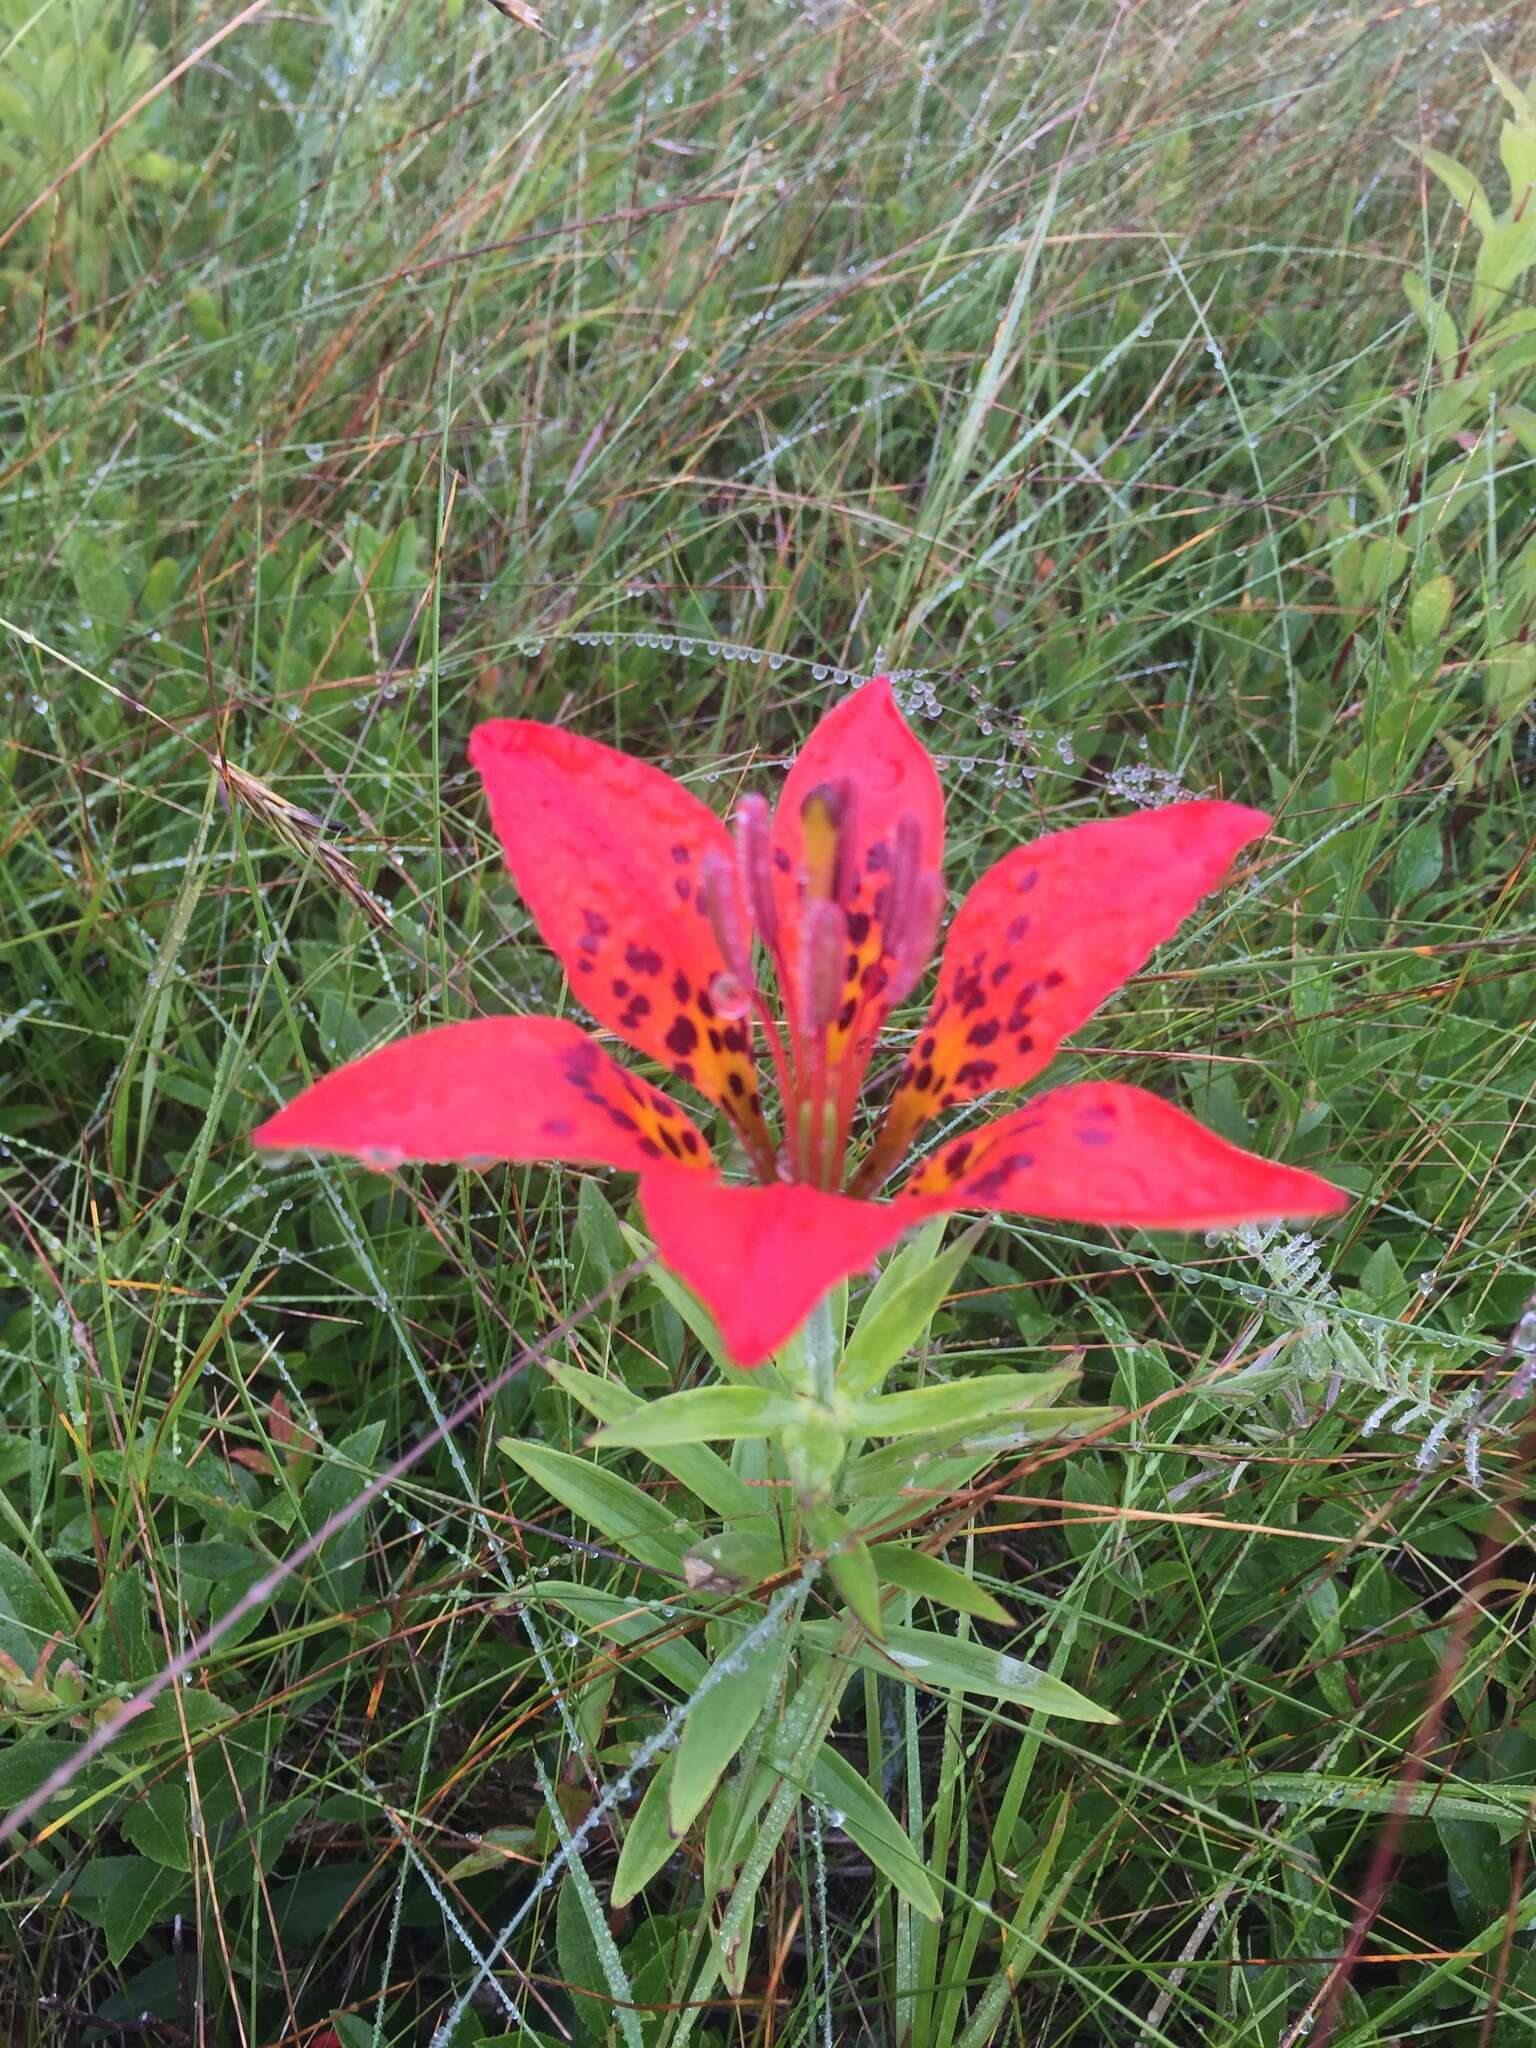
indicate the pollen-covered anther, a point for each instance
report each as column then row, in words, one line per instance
column 824, row 939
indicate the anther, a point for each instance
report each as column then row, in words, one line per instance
column 717, row 879
column 754, row 866
column 912, row 919
column 824, row 942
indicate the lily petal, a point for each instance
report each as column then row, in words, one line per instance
column 1102, row 1152
column 888, row 858
column 496, row 1088
column 608, row 853
column 1043, row 938
column 761, row 1258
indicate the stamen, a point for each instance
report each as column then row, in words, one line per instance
column 912, row 918
column 754, row 865
column 716, row 878
column 824, row 940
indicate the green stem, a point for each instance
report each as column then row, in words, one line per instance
column 821, row 1350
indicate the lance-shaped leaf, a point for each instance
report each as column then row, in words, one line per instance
column 933, row 1578
column 924, row 1658
column 634, row 1520
column 897, row 1321
column 648, row 1840
column 745, row 1684
column 951, row 1405
column 847, row 1797
column 626, row 1623
column 700, row 1415
column 702, row 1471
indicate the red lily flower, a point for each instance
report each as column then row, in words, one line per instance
column 669, row 927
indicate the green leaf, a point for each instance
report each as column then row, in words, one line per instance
column 896, row 1318
column 140, row 1895
column 700, row 1413
column 737, row 1557
column 1416, row 864
column 163, row 1477
column 157, row 1826
column 924, row 1658
column 26, row 1766
column 580, row 1964
column 28, row 1617
column 1466, row 190
column 993, row 1397
column 161, row 1722
column 849, row 1565
column 1444, row 340
column 704, row 1472
column 939, row 1464
column 720, row 1721
column 121, row 1645
column 648, row 1840
column 1382, row 1282
column 864, row 1815
column 622, row 1621
column 597, row 1230
column 615, row 1508
column 932, row 1578
column 1429, row 609
column 336, row 1483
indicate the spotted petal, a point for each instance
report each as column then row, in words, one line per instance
column 1043, row 938
column 1105, row 1153
column 761, row 1258
column 889, row 856
column 608, row 853
column 497, row 1088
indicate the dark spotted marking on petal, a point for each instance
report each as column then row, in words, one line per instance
column 983, row 1034
column 642, row 960
column 682, row 1036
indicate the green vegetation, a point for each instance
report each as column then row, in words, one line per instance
column 1151, row 389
